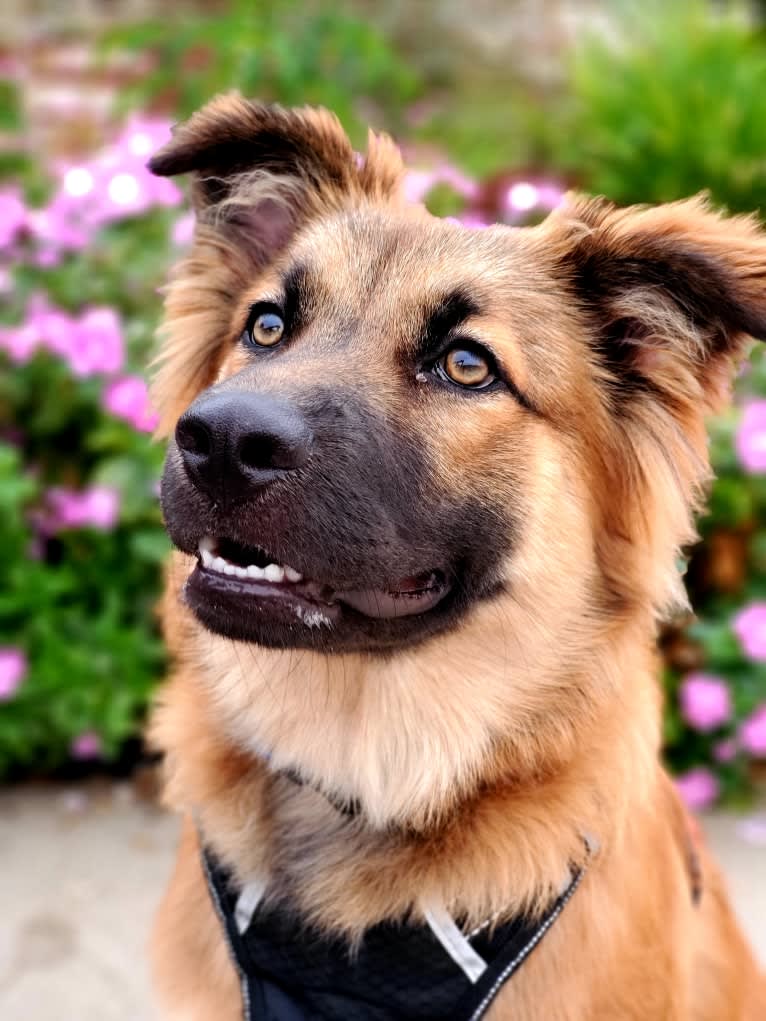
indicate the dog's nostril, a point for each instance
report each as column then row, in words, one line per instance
column 194, row 438
column 260, row 450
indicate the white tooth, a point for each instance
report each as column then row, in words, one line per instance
column 207, row 557
column 218, row 564
column 241, row 572
column 229, row 569
column 254, row 571
column 292, row 575
column 274, row 573
column 207, row 544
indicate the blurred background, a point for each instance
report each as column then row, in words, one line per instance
column 499, row 106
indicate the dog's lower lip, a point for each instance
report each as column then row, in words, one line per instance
column 403, row 602
column 411, row 596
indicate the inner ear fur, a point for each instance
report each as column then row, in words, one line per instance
column 672, row 293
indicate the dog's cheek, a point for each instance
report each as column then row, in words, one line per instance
column 536, row 483
column 234, row 360
column 481, row 452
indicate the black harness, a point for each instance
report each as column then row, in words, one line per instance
column 400, row 972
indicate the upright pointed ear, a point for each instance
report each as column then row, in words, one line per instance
column 260, row 173
column 672, row 294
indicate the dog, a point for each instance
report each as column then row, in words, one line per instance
column 427, row 487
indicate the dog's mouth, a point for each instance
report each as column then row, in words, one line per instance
column 249, row 575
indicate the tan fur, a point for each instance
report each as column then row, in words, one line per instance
column 482, row 758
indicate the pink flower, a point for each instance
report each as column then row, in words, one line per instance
column 63, row 510
column 750, row 440
column 418, row 183
column 95, row 343
column 123, row 185
column 86, row 746
column 95, row 507
column 705, row 701
column 13, row 668
column 59, row 226
column 13, row 216
column 141, row 136
column 725, row 751
column 459, row 182
column 524, row 196
column 19, row 342
column 111, row 186
column 699, row 787
column 182, row 233
column 100, row 507
column 90, row 344
column 550, row 195
column 128, row 398
column 752, row 733
column 52, row 327
column 750, row 628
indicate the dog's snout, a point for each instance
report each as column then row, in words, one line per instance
column 233, row 443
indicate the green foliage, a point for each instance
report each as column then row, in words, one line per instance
column 82, row 608
column 80, row 602
column 673, row 105
column 284, row 51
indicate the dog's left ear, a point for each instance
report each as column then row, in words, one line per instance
column 260, row 172
column 671, row 294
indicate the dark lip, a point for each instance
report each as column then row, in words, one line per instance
column 293, row 597
column 304, row 613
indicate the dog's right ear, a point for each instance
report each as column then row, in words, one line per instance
column 260, row 172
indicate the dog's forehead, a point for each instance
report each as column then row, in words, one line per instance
column 367, row 256
column 382, row 277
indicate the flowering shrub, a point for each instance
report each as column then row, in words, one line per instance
column 85, row 242
column 80, row 526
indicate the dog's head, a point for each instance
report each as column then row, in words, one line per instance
column 385, row 423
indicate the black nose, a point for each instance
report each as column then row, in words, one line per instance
column 234, row 443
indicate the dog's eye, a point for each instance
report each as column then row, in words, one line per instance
column 265, row 327
column 467, row 367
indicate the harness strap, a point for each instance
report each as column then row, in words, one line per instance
column 513, row 958
column 401, row 971
column 443, row 926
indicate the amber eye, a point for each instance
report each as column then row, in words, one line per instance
column 466, row 367
column 265, row 328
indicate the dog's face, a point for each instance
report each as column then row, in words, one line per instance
column 376, row 427
column 385, row 423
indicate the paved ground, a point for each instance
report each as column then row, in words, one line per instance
column 82, row 872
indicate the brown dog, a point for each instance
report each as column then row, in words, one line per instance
column 428, row 486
